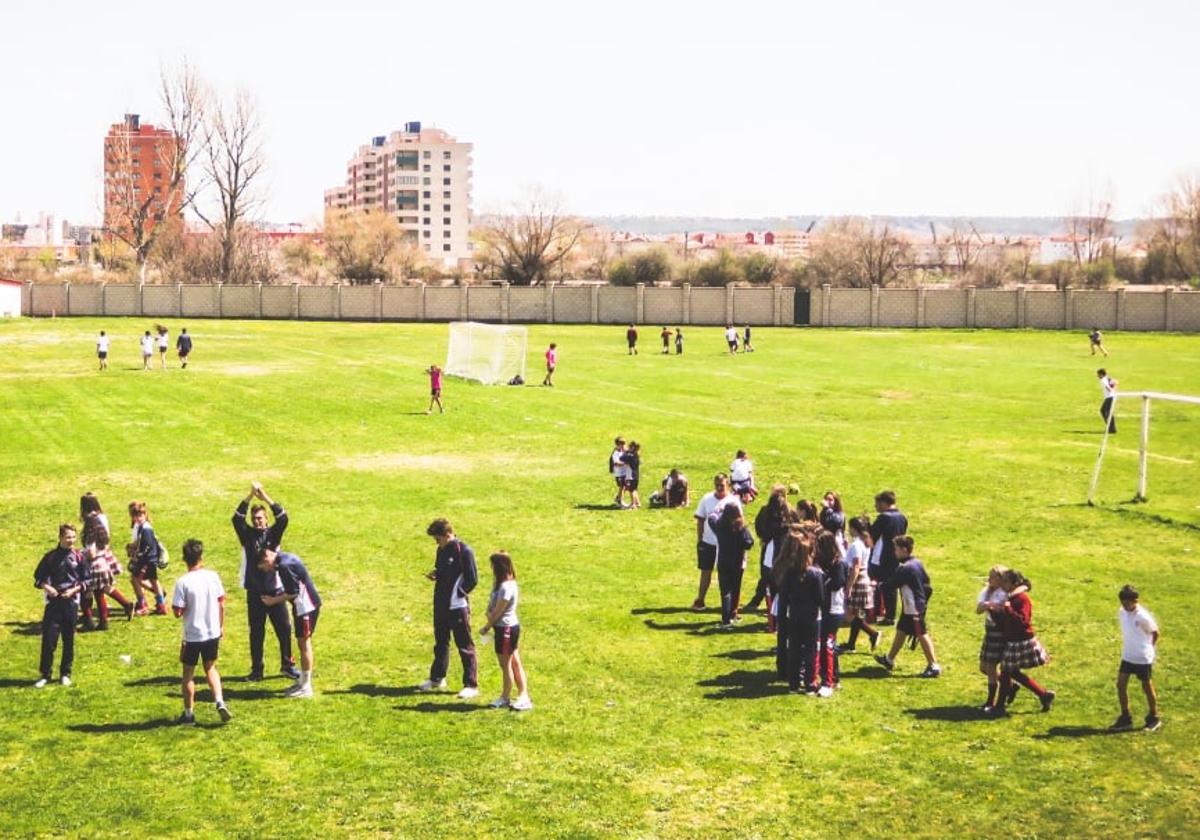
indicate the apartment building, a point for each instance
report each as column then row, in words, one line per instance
column 137, row 174
column 422, row 177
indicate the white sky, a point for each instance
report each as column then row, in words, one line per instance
column 647, row 108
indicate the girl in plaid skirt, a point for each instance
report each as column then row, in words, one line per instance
column 1022, row 650
column 991, row 652
column 862, row 588
column 105, row 568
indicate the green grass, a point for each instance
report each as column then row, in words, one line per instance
column 647, row 723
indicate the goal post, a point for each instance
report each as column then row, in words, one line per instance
column 1144, row 441
column 487, row 353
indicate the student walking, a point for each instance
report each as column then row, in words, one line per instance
column 502, row 615
column 1097, row 342
column 912, row 582
column 435, row 389
column 61, row 574
column 145, row 555
column 678, row 341
column 199, row 599
column 102, row 343
column 1139, row 649
column 164, row 343
column 98, row 552
column 147, row 350
column 1108, row 386
column 301, row 592
column 731, row 338
column 1022, row 650
column 747, row 347
column 454, row 575
column 666, row 340
column 733, row 541
column 860, row 584
column 991, row 651
column 889, row 524
column 253, row 537
column 183, row 347
column 631, row 336
column 551, row 364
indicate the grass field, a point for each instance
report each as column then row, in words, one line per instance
column 648, row 723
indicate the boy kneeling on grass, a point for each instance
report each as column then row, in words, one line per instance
column 199, row 599
column 912, row 581
column 1139, row 646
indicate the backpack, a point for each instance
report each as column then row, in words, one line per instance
column 163, row 557
column 516, row 380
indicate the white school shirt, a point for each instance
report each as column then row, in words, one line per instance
column 1137, row 635
column 147, row 346
column 709, row 504
column 198, row 593
column 164, row 341
column 1108, row 386
column 731, row 334
column 102, row 344
column 507, row 591
column 741, row 469
column 857, row 556
column 620, row 468
column 999, row 596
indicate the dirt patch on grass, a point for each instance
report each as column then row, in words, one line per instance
column 895, row 396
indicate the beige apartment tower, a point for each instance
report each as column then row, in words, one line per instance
column 422, row 177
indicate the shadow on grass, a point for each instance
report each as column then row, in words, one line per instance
column 744, row 685
column 242, row 693
column 1077, row 732
column 950, row 714
column 670, row 610
column 444, row 707
column 870, row 671
column 1083, row 431
column 17, row 682
column 368, row 690
column 132, row 726
column 609, row 506
column 25, row 628
column 172, row 680
column 1140, row 516
column 745, row 655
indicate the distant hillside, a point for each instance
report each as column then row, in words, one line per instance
column 999, row 225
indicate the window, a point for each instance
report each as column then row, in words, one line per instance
column 446, row 220
column 407, row 179
column 426, row 168
column 446, row 209
column 408, row 220
column 426, row 246
column 445, row 182
column 406, row 200
column 426, row 154
column 446, row 194
column 445, row 155
column 426, row 234
column 445, row 234
column 426, row 220
column 446, row 167
column 425, row 208
column 406, row 161
column 446, row 247
column 425, row 181
column 425, row 194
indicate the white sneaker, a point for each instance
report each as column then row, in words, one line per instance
column 302, row 691
column 499, row 703
column 824, row 691
column 522, row 704
column 468, row 693
column 41, row 683
column 66, row 680
column 293, row 688
column 430, row 685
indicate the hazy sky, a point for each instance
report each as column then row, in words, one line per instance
column 650, row 108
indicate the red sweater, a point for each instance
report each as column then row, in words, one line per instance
column 1016, row 619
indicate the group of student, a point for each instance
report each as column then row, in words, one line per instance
column 148, row 343
column 666, row 334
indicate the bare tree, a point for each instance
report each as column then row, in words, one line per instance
column 966, row 244
column 858, row 253
column 134, row 214
column 361, row 245
column 233, row 164
column 1090, row 231
column 881, row 254
column 1177, row 230
column 528, row 245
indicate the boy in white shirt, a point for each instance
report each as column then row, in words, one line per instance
column 619, row 470
column 147, row 350
column 199, row 599
column 706, row 540
column 102, row 350
column 1139, row 646
column 1107, row 410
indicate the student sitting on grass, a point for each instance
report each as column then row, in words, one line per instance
column 502, row 615
column 912, row 582
column 674, row 492
column 741, row 473
column 1139, row 648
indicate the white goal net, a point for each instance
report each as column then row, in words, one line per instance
column 488, row 353
column 1173, row 456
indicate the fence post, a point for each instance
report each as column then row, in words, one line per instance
column 178, row 300
column 777, row 305
column 826, row 303
column 687, row 303
column 337, row 303
column 874, row 316
column 640, row 307
column 141, row 287
column 1068, row 309
column 220, row 294
column 66, row 298
column 104, row 299
column 258, row 301
column 505, row 302
column 729, row 304
column 971, row 321
column 1120, row 309
column 1169, row 310
column 920, row 307
column 594, row 303
column 548, row 301
column 1020, row 307
column 295, row 301
column 421, row 303
column 378, row 300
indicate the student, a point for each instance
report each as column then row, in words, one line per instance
column 731, row 338
column 253, row 537
column 104, row 569
column 199, row 599
column 860, row 584
column 912, row 582
column 102, row 349
column 801, row 589
column 770, row 523
column 889, row 524
column 164, row 343
column 741, row 473
column 454, row 575
column 632, row 459
column 666, row 340
column 733, row 541
column 828, row 558
column 1022, row 650
column 706, row 540
column 147, row 350
column 619, row 470
column 551, row 363
column 143, row 553
column 435, row 389
column 502, row 614
column 678, row 341
column 1107, row 410
column 1097, row 342
column 991, row 652
column 631, row 340
column 299, row 589
column 61, row 574
column 747, row 347
column 1139, row 648
column 183, row 347
column 674, row 492
column 833, row 518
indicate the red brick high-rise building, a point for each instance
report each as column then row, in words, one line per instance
column 138, row 164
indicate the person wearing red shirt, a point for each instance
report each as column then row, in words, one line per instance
column 1022, row 650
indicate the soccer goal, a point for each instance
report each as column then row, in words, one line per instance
column 1144, row 446
column 488, row 353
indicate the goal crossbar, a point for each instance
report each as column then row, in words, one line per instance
column 1144, row 443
